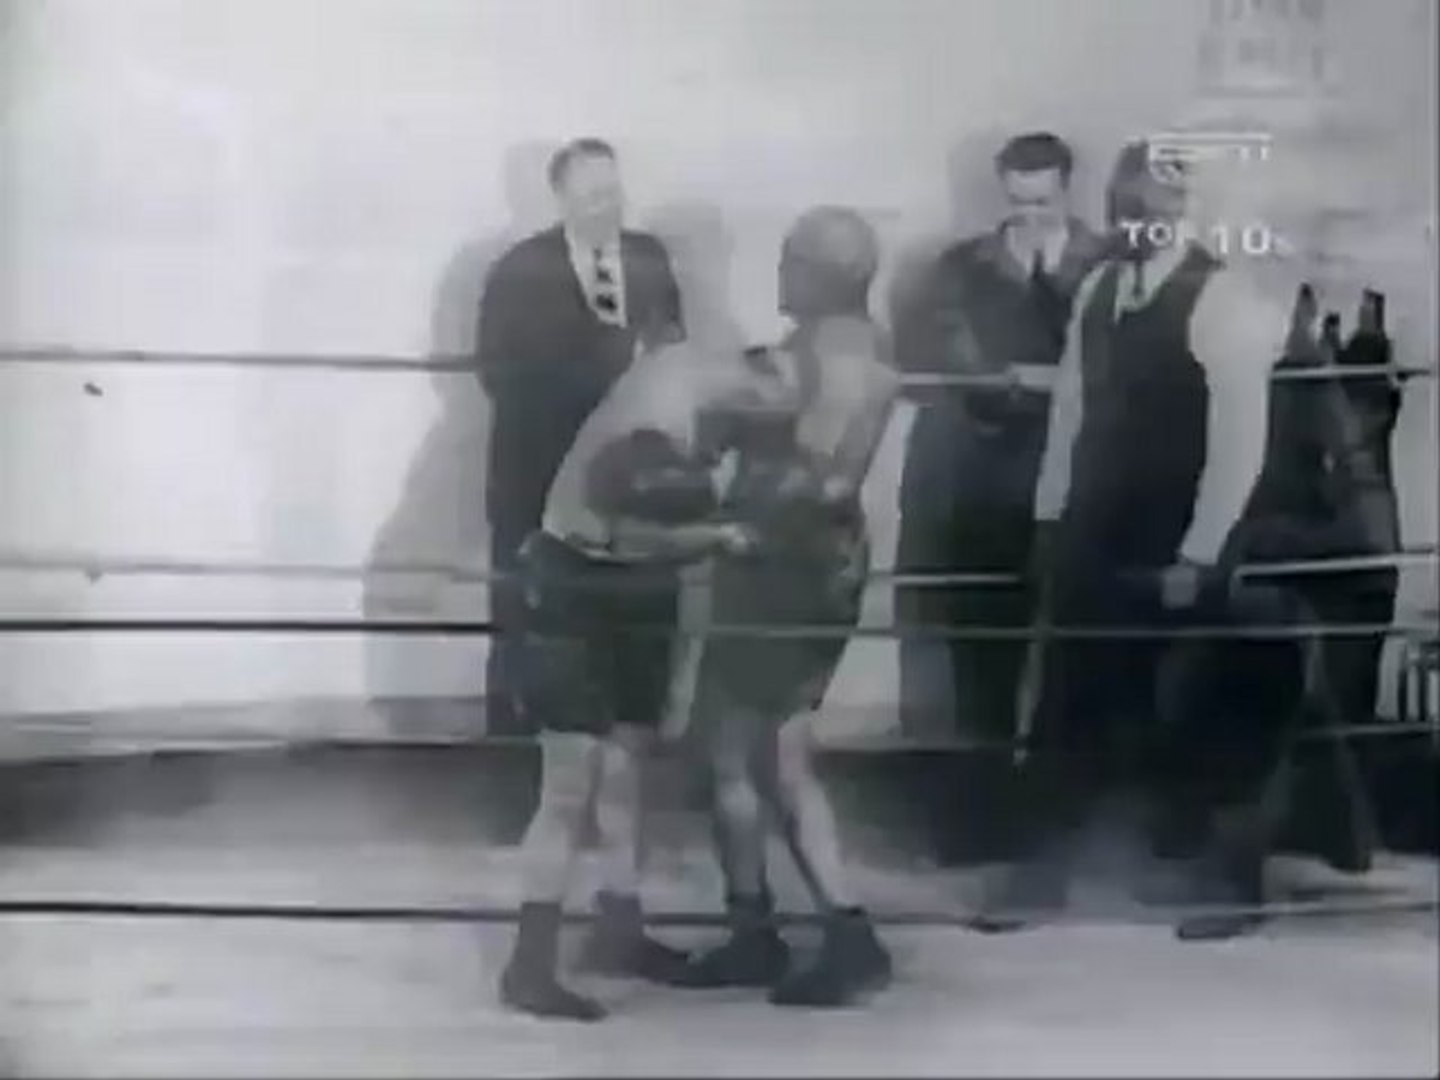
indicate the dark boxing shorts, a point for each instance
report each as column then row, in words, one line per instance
column 595, row 647
column 810, row 570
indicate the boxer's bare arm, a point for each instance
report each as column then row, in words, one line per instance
column 1236, row 335
column 854, row 408
column 637, row 539
column 1052, row 486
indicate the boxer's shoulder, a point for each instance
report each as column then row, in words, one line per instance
column 854, row 360
column 846, row 334
column 645, row 473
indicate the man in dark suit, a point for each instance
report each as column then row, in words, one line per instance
column 562, row 314
column 995, row 304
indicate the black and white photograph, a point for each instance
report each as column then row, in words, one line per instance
column 719, row 538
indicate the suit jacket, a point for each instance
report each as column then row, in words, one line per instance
column 547, row 360
column 977, row 312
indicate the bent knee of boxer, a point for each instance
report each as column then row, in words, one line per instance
column 737, row 797
column 729, row 756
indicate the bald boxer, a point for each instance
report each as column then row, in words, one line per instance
column 633, row 501
column 1157, row 437
column 798, row 485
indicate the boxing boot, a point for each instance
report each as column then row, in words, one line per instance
column 1231, row 879
column 851, row 966
column 753, row 955
column 528, row 983
column 1030, row 891
column 617, row 944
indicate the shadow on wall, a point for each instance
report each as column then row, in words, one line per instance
column 11, row 54
column 700, row 245
column 927, row 702
column 440, row 517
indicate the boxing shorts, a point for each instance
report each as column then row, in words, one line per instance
column 596, row 640
column 597, row 631
column 645, row 476
column 809, row 570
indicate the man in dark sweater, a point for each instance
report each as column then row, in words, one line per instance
column 559, row 322
column 997, row 305
column 1157, row 440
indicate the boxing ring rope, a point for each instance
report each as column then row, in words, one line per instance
column 478, row 914
column 805, row 631
column 64, row 356
column 95, row 567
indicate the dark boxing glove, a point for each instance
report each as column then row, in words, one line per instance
column 646, row 477
column 787, row 502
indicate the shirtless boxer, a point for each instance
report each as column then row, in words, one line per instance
column 632, row 503
column 798, row 485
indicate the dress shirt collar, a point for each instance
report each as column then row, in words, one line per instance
column 1020, row 249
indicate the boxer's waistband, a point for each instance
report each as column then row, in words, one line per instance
column 579, row 544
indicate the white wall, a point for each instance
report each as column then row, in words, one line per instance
column 328, row 176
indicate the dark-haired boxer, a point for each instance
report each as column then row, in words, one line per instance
column 797, row 485
column 632, row 503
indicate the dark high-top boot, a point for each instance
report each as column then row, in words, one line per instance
column 1030, row 891
column 753, row 955
column 1231, row 876
column 1037, row 886
column 851, row 966
column 529, row 983
column 618, row 945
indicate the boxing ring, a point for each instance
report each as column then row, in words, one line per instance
column 303, row 907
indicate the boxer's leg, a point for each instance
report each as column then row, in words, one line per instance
column 793, row 795
column 754, row 954
column 638, row 662
column 562, row 687
column 530, row 981
column 618, row 943
column 851, row 962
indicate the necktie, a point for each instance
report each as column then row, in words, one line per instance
column 605, row 294
column 1137, row 285
column 1046, row 298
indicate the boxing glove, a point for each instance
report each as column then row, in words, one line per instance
column 645, row 476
